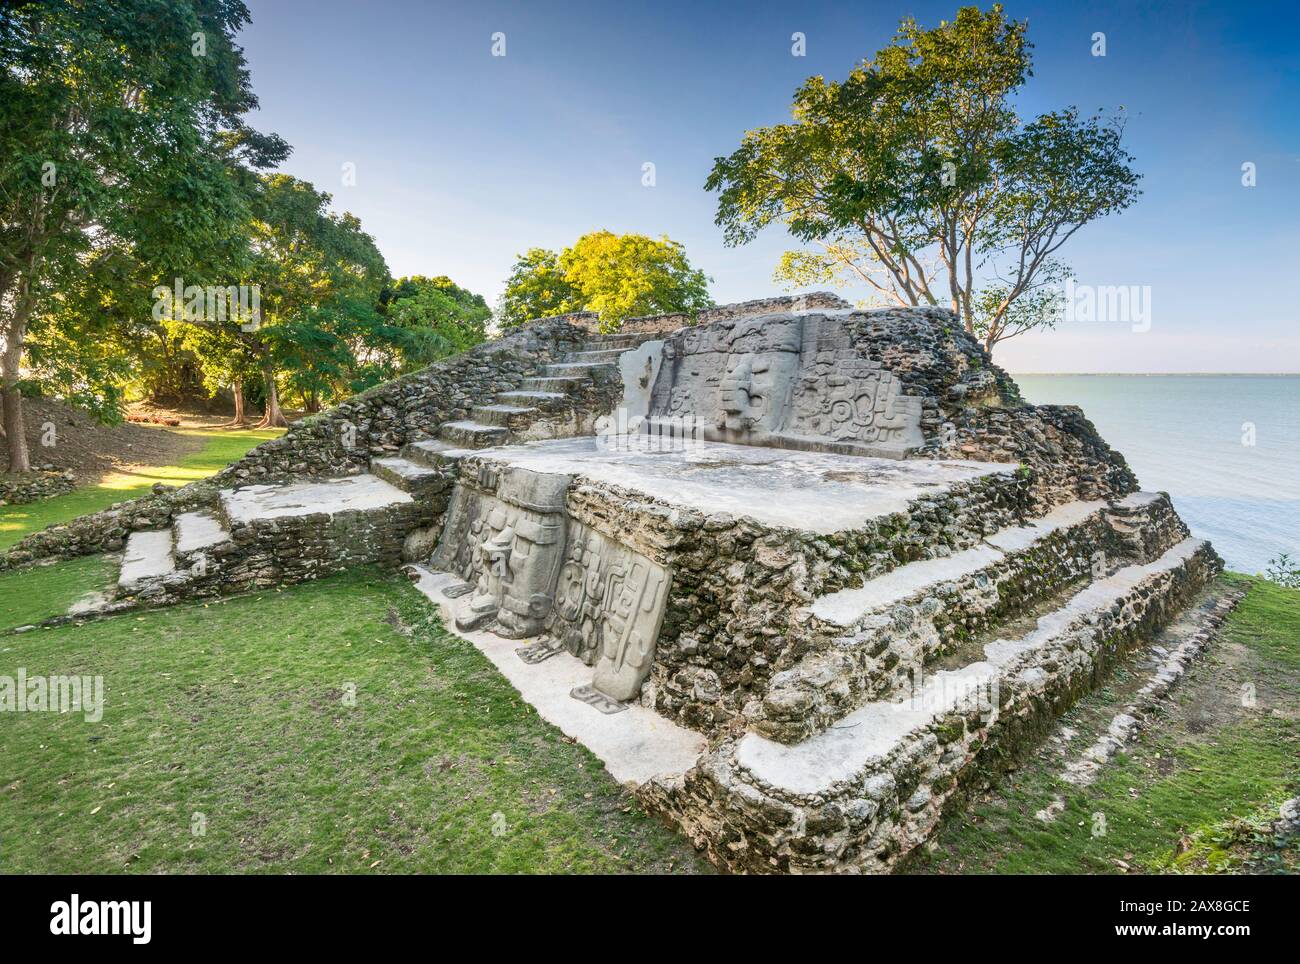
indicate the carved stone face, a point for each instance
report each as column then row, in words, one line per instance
column 761, row 371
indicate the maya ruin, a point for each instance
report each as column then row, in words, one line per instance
column 799, row 573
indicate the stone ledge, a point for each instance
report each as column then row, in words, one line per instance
column 864, row 807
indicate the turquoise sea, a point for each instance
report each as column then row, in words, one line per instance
column 1190, row 435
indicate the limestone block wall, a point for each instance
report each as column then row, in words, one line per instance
column 870, row 822
column 280, row 551
column 736, row 586
column 665, row 324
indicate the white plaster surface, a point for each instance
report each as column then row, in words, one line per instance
column 530, row 393
column 635, row 745
column 639, row 368
column 811, row 491
column 433, row 446
column 506, row 409
column 356, row 493
column 148, row 555
column 198, row 530
column 872, row 731
column 847, row 606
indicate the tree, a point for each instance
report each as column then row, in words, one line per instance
column 617, row 276
column 536, row 289
column 83, row 341
column 110, row 113
column 431, row 318
column 916, row 177
column 628, row 275
column 320, row 278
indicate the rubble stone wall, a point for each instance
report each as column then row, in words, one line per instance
column 737, row 586
column 35, row 486
column 869, row 823
column 282, row 551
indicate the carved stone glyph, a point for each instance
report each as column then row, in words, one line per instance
column 609, row 606
column 796, row 382
column 506, row 536
column 531, row 570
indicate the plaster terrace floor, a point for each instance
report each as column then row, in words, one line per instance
column 812, row 491
column 355, row 493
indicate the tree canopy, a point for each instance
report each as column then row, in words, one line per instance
column 618, row 276
column 118, row 123
column 126, row 168
column 916, row 177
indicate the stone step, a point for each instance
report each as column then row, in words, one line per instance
column 599, row 355
column 195, row 533
column 254, row 504
column 867, row 791
column 409, row 476
column 600, row 342
column 433, row 452
column 148, row 558
column 870, row 640
column 506, row 415
column 555, row 383
column 474, row 435
column 546, row 401
column 575, row 368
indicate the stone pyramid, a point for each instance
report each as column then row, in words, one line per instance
column 798, row 573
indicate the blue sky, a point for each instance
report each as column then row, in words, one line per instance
column 464, row 159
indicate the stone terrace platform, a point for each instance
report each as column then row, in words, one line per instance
column 816, row 492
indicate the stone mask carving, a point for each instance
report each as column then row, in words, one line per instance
column 761, row 371
column 517, row 560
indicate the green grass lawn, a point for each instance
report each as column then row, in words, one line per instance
column 221, row 448
column 32, row 595
column 333, row 726
column 1195, row 793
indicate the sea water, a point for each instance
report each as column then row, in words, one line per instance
column 1226, row 447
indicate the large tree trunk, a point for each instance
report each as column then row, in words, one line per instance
column 237, row 390
column 10, row 372
column 15, row 436
column 273, row 417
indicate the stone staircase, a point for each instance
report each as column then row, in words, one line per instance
column 235, row 543
column 927, row 675
column 510, row 415
column 157, row 563
column 877, row 640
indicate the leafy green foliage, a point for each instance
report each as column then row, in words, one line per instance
column 915, row 177
column 627, row 275
column 1284, row 571
column 618, row 276
column 537, row 288
column 117, row 136
column 430, row 318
